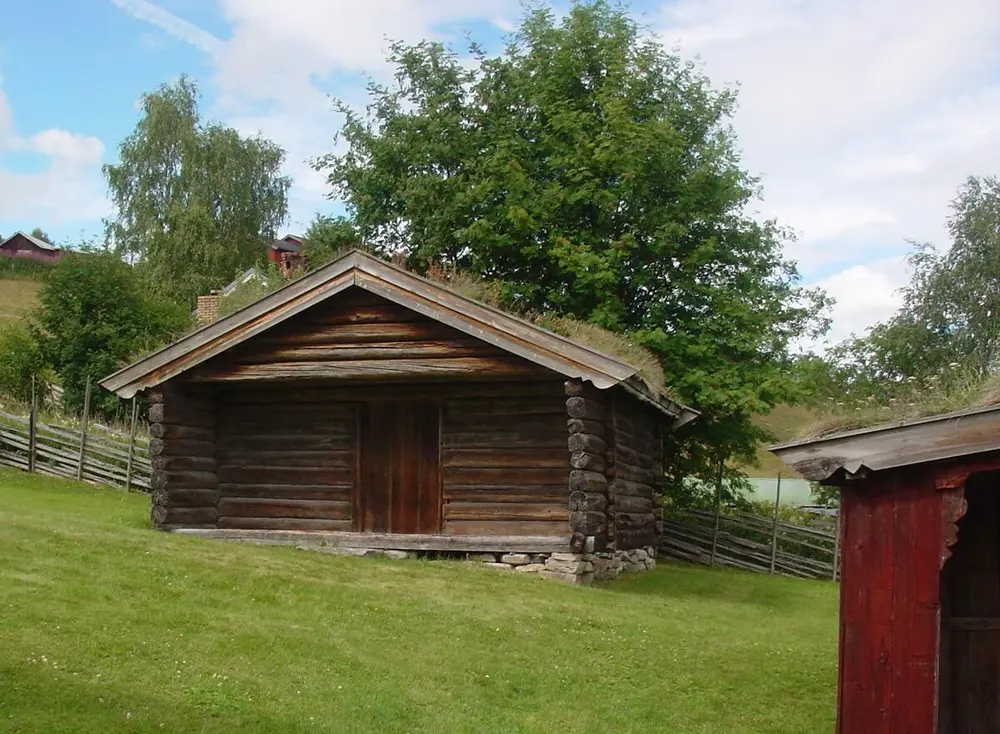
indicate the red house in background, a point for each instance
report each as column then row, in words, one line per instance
column 288, row 253
column 920, row 575
column 24, row 245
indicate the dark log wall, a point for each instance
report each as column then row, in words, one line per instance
column 285, row 461
column 504, row 459
column 635, row 465
column 184, row 482
column 586, row 413
column 356, row 335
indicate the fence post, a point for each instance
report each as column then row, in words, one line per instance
column 774, row 528
column 718, row 509
column 83, row 432
column 32, row 427
column 131, row 445
column 836, row 547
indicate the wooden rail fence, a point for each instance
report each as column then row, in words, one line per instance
column 753, row 542
column 91, row 453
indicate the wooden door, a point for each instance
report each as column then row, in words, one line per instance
column 970, row 617
column 399, row 484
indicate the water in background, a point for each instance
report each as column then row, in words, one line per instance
column 793, row 491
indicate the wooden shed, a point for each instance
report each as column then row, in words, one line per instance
column 920, row 583
column 29, row 247
column 363, row 406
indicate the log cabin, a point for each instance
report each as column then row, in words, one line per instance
column 920, row 571
column 363, row 406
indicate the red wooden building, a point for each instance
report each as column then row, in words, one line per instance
column 920, row 584
column 288, row 253
column 27, row 246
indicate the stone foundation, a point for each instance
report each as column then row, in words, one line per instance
column 572, row 568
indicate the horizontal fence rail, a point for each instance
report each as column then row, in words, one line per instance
column 751, row 542
column 93, row 453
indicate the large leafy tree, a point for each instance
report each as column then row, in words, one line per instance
column 950, row 317
column 595, row 175
column 195, row 202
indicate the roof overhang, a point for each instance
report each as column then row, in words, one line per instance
column 852, row 454
column 358, row 269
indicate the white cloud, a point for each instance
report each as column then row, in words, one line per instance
column 175, row 26
column 862, row 118
column 69, row 188
column 864, row 294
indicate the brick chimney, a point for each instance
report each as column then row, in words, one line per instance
column 208, row 308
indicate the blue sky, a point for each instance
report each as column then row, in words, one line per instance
column 862, row 117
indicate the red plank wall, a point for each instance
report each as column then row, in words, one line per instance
column 893, row 534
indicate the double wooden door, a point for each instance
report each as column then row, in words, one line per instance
column 399, row 484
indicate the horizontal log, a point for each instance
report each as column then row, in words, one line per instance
column 633, row 520
column 634, row 423
column 289, row 411
column 183, row 463
column 472, row 410
column 581, row 425
column 551, row 495
column 632, row 474
column 185, row 497
column 170, row 431
column 229, row 446
column 361, row 313
column 271, row 507
column 623, row 487
column 414, row 541
column 324, row 459
column 504, row 440
column 628, row 538
column 581, row 407
column 587, row 523
column 504, row 476
column 178, row 447
column 586, row 442
column 288, row 491
column 587, row 460
column 304, row 334
column 411, row 349
column 183, row 515
column 504, row 511
column 626, row 503
column 181, row 414
column 509, row 458
column 282, row 523
column 161, row 479
column 587, row 481
column 301, row 426
column 508, row 527
column 395, row 369
column 629, row 455
column 230, row 474
column 279, row 396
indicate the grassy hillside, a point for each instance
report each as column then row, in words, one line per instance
column 786, row 422
column 17, row 297
column 109, row 626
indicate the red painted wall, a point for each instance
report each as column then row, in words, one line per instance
column 893, row 534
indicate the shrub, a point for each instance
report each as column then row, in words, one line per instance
column 21, row 361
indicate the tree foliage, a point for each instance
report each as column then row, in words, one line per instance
column 94, row 316
column 196, row 202
column 329, row 236
column 950, row 318
column 595, row 175
column 42, row 235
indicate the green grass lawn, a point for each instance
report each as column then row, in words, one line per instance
column 106, row 625
column 17, row 297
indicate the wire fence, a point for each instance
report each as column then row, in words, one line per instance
column 90, row 453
